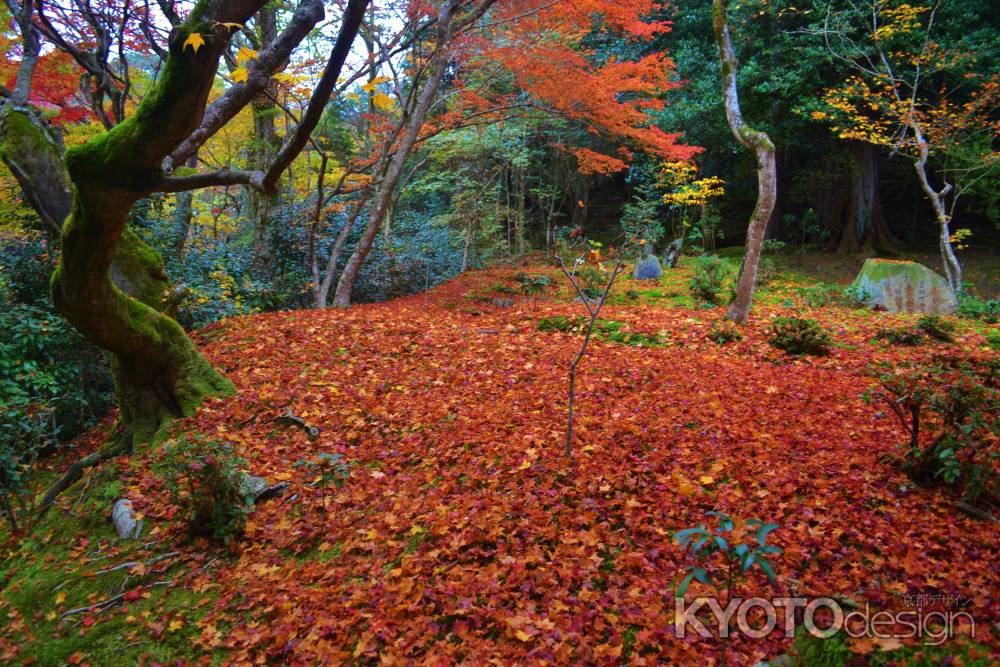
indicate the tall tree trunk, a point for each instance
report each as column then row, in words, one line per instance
column 265, row 147
column 159, row 372
column 865, row 229
column 758, row 142
column 435, row 72
column 183, row 209
column 949, row 260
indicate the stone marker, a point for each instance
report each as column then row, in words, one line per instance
column 908, row 287
column 648, row 268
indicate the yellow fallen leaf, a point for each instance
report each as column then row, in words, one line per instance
column 175, row 625
column 523, row 636
column 60, row 598
column 706, row 479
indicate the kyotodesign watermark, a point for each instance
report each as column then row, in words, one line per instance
column 822, row 617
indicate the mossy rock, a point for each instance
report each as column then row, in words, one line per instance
column 899, row 286
column 648, row 268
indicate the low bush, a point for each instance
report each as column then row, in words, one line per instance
column 947, row 410
column 712, row 280
column 797, row 336
column 974, row 308
column 937, row 328
column 900, row 337
column 206, row 482
column 724, row 331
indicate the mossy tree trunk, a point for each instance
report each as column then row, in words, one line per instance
column 32, row 151
column 159, row 372
column 763, row 148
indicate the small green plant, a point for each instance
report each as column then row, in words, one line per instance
column 947, row 409
column 798, row 336
column 974, row 308
column 329, row 469
column 767, row 270
column 725, row 331
column 561, row 323
column 900, row 337
column 592, row 280
column 993, row 340
column 724, row 555
column 205, row 480
column 937, row 328
column 712, row 279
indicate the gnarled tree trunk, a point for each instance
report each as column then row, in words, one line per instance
column 159, row 372
column 32, row 151
column 762, row 147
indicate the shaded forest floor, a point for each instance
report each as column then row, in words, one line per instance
column 461, row 534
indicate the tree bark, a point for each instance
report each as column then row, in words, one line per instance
column 865, row 229
column 763, row 148
column 159, row 372
column 183, row 209
column 949, row 261
column 32, row 151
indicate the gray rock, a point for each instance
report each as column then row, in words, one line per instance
column 252, row 486
column 648, row 268
column 904, row 287
column 124, row 520
column 503, row 303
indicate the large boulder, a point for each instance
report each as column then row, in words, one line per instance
column 904, row 287
column 648, row 268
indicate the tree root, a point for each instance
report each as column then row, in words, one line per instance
column 75, row 472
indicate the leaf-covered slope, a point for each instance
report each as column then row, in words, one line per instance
column 462, row 534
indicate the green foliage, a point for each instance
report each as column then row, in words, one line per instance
column 974, row 308
column 798, row 336
column 206, row 481
column 53, row 383
column 937, row 328
column 809, row 650
column 766, row 271
column 592, row 280
column 725, row 331
column 947, row 409
column 712, row 279
column 903, row 337
column 608, row 330
column 993, row 339
column 740, row 543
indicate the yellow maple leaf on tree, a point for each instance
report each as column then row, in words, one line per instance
column 239, row 75
column 195, row 41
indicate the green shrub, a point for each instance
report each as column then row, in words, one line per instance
column 766, row 271
column 205, row 481
column 900, row 337
column 725, row 331
column 947, row 410
column 993, row 339
column 592, row 281
column 937, row 328
column 796, row 335
column 974, row 308
column 561, row 323
column 712, row 280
